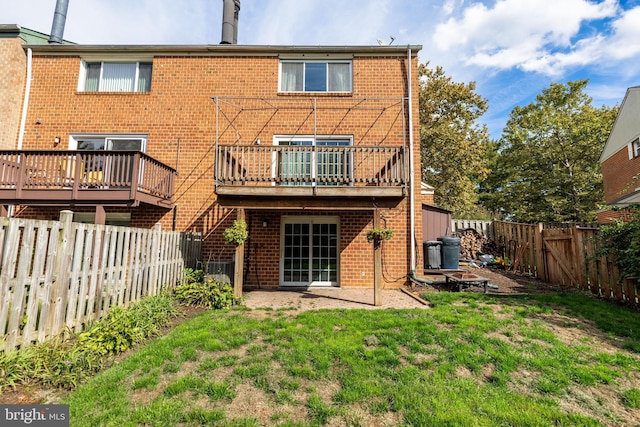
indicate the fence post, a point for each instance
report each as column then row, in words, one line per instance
column 579, row 257
column 61, row 272
column 541, row 268
column 155, row 245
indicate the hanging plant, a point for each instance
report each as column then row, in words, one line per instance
column 379, row 234
column 237, row 233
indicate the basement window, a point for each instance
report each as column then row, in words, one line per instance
column 315, row 76
column 115, row 77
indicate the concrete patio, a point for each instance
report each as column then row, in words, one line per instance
column 318, row 298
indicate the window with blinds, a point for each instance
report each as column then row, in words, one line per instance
column 117, row 77
column 315, row 76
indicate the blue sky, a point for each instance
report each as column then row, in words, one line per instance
column 512, row 49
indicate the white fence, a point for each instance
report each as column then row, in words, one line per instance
column 59, row 274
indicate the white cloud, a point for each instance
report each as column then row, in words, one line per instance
column 625, row 41
column 534, row 36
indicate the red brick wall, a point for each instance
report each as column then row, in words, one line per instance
column 12, row 81
column 620, row 175
column 180, row 108
column 607, row 217
column 356, row 253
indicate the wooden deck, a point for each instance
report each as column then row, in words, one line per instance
column 311, row 171
column 55, row 178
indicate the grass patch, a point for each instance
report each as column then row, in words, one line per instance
column 631, row 398
column 470, row 360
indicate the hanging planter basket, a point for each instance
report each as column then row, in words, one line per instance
column 377, row 235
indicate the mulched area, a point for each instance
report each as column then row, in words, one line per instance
column 507, row 282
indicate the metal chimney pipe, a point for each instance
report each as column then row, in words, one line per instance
column 59, row 19
column 235, row 20
column 230, row 10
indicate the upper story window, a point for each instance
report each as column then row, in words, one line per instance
column 315, row 76
column 115, row 77
column 635, row 147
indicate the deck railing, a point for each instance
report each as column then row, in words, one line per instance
column 310, row 165
column 28, row 174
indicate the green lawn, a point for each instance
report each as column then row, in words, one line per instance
column 471, row 360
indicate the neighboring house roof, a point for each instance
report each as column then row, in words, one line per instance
column 30, row 37
column 626, row 127
column 629, row 199
column 426, row 188
column 428, row 207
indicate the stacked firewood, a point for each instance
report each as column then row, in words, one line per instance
column 473, row 243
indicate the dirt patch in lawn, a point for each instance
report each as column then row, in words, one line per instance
column 500, row 282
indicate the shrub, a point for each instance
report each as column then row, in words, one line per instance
column 64, row 363
column 122, row 328
column 210, row 293
column 190, row 275
column 622, row 241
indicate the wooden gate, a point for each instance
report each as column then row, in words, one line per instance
column 559, row 247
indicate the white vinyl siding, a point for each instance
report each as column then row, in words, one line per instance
column 315, row 76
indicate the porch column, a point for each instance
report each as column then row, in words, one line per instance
column 101, row 216
column 377, row 263
column 239, row 264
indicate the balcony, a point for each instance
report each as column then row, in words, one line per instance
column 312, row 172
column 58, row 178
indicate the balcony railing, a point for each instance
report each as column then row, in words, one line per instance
column 84, row 177
column 310, row 170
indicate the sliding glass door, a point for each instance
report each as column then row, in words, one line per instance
column 309, row 251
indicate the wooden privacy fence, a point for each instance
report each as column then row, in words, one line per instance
column 563, row 256
column 59, row 274
column 481, row 226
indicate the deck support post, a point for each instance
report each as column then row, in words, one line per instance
column 101, row 216
column 377, row 263
column 238, row 272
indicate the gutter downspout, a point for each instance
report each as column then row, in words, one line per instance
column 412, row 200
column 25, row 104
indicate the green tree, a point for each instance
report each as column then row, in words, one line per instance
column 452, row 143
column 547, row 164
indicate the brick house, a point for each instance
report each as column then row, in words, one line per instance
column 311, row 145
column 13, row 63
column 620, row 159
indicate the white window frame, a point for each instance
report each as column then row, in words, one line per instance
column 327, row 83
column 108, row 139
column 635, row 147
column 311, row 220
column 82, row 81
column 314, row 161
column 74, row 138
